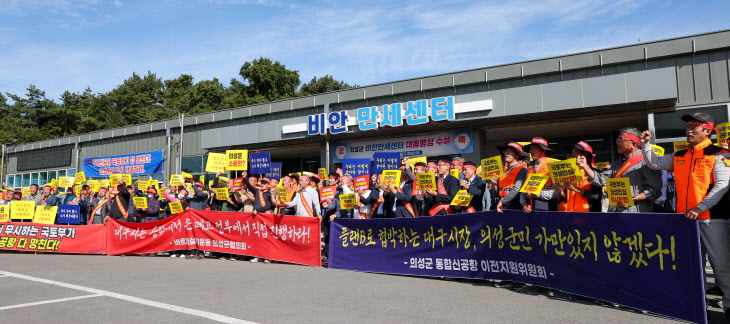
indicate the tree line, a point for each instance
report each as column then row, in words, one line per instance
column 34, row 117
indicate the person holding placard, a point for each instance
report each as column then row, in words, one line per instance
column 417, row 199
column 507, row 188
column 398, row 198
column 119, row 204
column 458, row 164
column 581, row 196
column 262, row 196
column 545, row 200
column 702, row 176
column 74, row 200
column 432, row 166
column 438, row 202
column 375, row 199
column 152, row 212
column 199, row 198
column 645, row 183
column 474, row 185
column 306, row 200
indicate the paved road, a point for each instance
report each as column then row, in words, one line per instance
column 136, row 289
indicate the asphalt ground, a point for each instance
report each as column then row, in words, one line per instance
column 42, row 288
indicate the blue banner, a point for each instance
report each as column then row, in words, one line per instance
column 69, row 214
column 385, row 161
column 134, row 164
column 275, row 171
column 443, row 143
column 356, row 167
column 645, row 261
column 259, row 163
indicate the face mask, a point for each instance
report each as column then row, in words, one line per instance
column 150, row 196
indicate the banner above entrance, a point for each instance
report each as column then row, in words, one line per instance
column 444, row 143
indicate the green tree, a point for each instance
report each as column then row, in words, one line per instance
column 324, row 84
column 268, row 81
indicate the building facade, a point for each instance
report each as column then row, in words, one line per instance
column 585, row 96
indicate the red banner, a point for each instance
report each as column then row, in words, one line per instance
column 284, row 238
column 88, row 239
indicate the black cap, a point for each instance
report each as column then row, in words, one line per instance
column 699, row 116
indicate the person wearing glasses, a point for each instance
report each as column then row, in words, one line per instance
column 645, row 183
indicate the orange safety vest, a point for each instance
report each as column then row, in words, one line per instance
column 507, row 183
column 693, row 176
column 544, row 171
column 575, row 202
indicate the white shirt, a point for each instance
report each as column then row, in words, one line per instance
column 308, row 196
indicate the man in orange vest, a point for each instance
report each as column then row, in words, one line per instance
column 701, row 175
column 508, row 187
column 645, row 183
column 580, row 196
column 544, row 201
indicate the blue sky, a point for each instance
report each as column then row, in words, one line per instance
column 71, row 45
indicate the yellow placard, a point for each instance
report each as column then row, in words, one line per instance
column 602, row 164
column 54, row 184
column 202, row 178
column 127, row 179
column 4, row 213
column 26, row 191
column 658, row 150
column 186, row 175
column 224, row 180
column 455, row 173
column 412, row 161
column 534, row 183
column 235, row 160
column 347, row 201
column 115, row 179
column 619, row 190
column 175, row 207
column 105, row 183
column 143, row 185
column 221, row 193
column 77, row 189
column 564, row 171
column 391, row 177
column 216, row 163
column 176, row 180
column 281, row 194
column 322, row 173
column 79, row 177
column 462, row 198
column 94, row 184
column 154, row 183
column 22, row 209
column 723, row 133
column 426, row 180
column 66, row 182
column 140, row 202
column 492, row 166
column 210, row 183
column 678, row 146
column 45, row 214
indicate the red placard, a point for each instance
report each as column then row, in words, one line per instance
column 327, row 193
column 284, row 238
column 362, row 182
column 86, row 239
column 238, row 184
column 415, row 191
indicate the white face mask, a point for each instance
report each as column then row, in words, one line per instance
column 150, row 196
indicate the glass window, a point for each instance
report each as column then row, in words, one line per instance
column 44, row 178
column 52, row 175
column 11, row 180
column 34, row 179
column 71, row 172
column 26, row 179
column 18, row 180
column 192, row 164
column 61, row 173
column 670, row 124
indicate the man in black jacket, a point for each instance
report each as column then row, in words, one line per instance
column 119, row 204
column 437, row 202
column 474, row 185
column 398, row 199
column 262, row 196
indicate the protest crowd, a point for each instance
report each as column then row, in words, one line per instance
column 693, row 182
